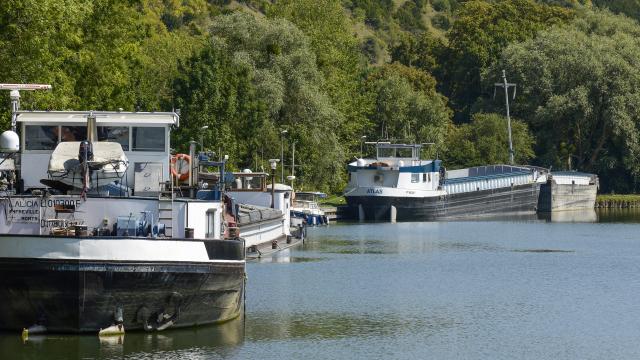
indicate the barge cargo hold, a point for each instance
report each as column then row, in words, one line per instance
column 398, row 185
column 568, row 190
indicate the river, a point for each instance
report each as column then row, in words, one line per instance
column 496, row 289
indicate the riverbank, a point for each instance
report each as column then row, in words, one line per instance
column 617, row 201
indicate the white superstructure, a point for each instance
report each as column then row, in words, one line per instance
column 144, row 138
column 397, row 171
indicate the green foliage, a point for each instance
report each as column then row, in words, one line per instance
column 409, row 15
column 630, row 8
column 331, row 71
column 376, row 12
column 337, row 56
column 420, row 51
column 441, row 5
column 257, row 77
column 407, row 107
column 486, row 141
column 582, row 96
column 39, row 38
column 481, row 30
column 618, row 198
column 441, row 21
column 97, row 54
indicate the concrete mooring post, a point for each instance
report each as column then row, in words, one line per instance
column 393, row 213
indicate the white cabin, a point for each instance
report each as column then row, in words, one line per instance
column 397, row 170
column 144, row 138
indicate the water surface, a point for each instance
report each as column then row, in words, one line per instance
column 525, row 288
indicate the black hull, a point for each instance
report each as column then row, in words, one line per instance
column 83, row 296
column 510, row 200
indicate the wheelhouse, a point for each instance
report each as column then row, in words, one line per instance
column 144, row 138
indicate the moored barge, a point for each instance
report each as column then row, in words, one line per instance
column 398, row 185
column 96, row 232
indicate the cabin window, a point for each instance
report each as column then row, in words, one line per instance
column 415, row 178
column 119, row 134
column 39, row 137
column 148, row 139
column 386, row 152
column 73, row 133
column 424, row 177
column 429, row 177
column 404, row 152
column 211, row 223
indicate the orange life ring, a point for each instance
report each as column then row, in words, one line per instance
column 183, row 174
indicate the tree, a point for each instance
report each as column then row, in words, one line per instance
column 337, row 56
column 630, row 8
column 478, row 35
column 485, row 141
column 98, row 54
column 39, row 39
column 259, row 76
column 406, row 105
column 579, row 89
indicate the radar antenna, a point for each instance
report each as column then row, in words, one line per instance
column 15, row 97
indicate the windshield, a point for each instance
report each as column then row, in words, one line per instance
column 397, row 152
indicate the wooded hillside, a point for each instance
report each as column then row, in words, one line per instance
column 333, row 71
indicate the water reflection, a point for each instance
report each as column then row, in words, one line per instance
column 220, row 340
column 285, row 257
column 570, row 216
column 325, row 326
column 542, row 251
column 629, row 215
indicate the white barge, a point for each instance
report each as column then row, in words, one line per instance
column 399, row 185
column 95, row 233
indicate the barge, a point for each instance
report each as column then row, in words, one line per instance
column 97, row 234
column 568, row 190
column 398, row 185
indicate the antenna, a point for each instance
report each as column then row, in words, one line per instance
column 15, row 97
column 506, row 87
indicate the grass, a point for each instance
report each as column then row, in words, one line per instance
column 616, row 197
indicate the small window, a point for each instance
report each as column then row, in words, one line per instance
column 415, row 178
column 404, row 152
column 73, row 133
column 424, row 177
column 211, row 223
column 39, row 137
column 429, row 177
column 386, row 152
column 148, row 139
column 119, row 134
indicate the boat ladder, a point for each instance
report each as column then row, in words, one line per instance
column 165, row 210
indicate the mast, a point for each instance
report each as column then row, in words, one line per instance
column 506, row 86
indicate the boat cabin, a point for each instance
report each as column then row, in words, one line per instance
column 144, row 138
column 396, row 166
column 398, row 154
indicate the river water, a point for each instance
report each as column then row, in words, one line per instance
column 496, row 289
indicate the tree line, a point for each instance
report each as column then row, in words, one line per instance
column 333, row 72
